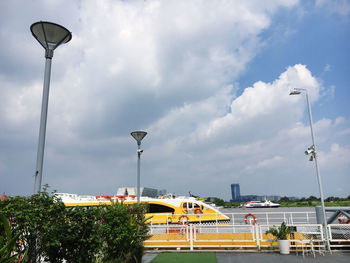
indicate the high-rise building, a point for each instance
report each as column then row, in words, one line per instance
column 236, row 193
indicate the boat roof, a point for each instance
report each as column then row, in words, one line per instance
column 176, row 202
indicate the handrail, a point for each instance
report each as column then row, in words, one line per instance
column 194, row 236
column 238, row 218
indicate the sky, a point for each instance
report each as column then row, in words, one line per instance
column 209, row 81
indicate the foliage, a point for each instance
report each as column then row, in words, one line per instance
column 284, row 199
column 30, row 216
column 221, row 202
column 124, row 230
column 8, row 243
column 80, row 240
column 315, row 203
column 50, row 230
column 280, row 233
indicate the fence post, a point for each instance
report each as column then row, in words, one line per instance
column 257, row 236
column 329, row 232
column 191, row 237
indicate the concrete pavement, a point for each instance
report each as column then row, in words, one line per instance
column 239, row 257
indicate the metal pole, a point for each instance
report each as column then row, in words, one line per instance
column 318, row 171
column 43, row 119
column 138, row 171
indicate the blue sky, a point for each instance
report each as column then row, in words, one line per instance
column 209, row 82
column 319, row 40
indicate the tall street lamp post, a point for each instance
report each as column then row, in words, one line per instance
column 50, row 36
column 313, row 156
column 138, row 136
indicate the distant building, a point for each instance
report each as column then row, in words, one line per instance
column 246, row 198
column 237, row 197
column 145, row 191
column 236, row 193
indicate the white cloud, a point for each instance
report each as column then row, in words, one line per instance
column 168, row 68
column 268, row 101
column 336, row 158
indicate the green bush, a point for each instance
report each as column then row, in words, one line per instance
column 80, row 240
column 48, row 229
column 33, row 217
column 9, row 252
column 280, row 233
column 123, row 230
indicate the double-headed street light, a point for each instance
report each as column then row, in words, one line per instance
column 313, row 156
column 50, row 36
column 138, row 136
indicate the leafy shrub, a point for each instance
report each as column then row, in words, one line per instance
column 9, row 252
column 48, row 229
column 280, row 233
column 123, row 230
column 81, row 240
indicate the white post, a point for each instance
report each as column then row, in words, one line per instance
column 257, row 235
column 191, row 237
column 317, row 170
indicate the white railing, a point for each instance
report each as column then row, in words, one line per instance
column 244, row 236
column 271, row 218
column 267, row 218
column 339, row 235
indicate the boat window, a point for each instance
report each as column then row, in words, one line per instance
column 189, row 205
column 155, row 208
column 196, row 206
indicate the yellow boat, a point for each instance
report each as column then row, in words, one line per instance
column 179, row 210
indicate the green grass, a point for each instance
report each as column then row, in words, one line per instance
column 185, row 258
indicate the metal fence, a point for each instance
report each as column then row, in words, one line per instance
column 267, row 218
column 244, row 236
column 271, row 218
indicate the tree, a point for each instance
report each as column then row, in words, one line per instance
column 218, row 202
column 123, row 230
column 312, row 198
column 285, row 199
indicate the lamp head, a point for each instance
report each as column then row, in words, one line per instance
column 50, row 35
column 294, row 92
column 138, row 136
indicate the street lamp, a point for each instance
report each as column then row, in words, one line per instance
column 313, row 156
column 50, row 36
column 138, row 136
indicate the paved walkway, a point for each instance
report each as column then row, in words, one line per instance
column 276, row 257
column 237, row 257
